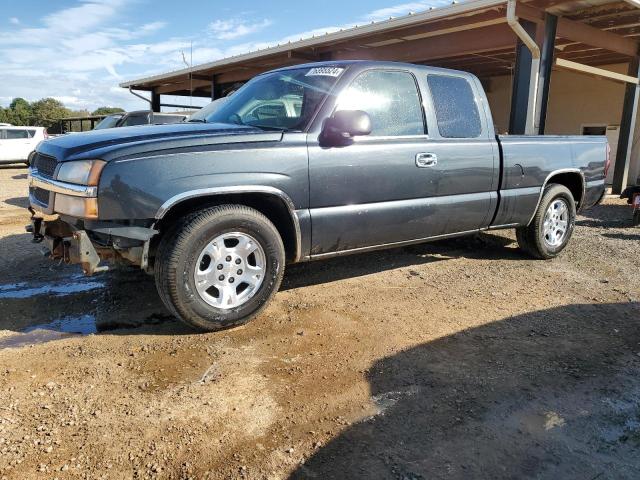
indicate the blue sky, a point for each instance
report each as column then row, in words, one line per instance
column 78, row 51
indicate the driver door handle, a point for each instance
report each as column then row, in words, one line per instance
column 425, row 160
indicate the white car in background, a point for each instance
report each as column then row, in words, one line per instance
column 16, row 143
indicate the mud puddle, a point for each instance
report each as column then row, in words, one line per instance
column 75, row 284
column 71, row 326
column 60, row 328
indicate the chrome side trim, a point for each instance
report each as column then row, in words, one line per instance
column 546, row 180
column 65, row 188
column 203, row 192
column 383, row 246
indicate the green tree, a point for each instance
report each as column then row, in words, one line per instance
column 4, row 115
column 107, row 110
column 20, row 112
column 47, row 111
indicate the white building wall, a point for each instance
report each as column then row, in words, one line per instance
column 575, row 100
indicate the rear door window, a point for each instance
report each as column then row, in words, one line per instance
column 455, row 107
column 16, row 134
column 390, row 98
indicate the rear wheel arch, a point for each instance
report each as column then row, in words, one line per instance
column 272, row 203
column 573, row 180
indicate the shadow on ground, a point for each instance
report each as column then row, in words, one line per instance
column 607, row 216
column 18, row 201
column 623, row 236
column 480, row 246
column 550, row 394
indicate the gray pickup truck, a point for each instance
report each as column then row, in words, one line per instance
column 304, row 163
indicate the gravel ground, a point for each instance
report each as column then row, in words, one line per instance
column 459, row 359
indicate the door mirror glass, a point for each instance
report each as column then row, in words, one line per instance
column 345, row 124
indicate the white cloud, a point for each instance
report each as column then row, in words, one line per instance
column 14, row 21
column 85, row 17
column 234, row 28
column 78, row 49
column 404, row 9
column 80, row 54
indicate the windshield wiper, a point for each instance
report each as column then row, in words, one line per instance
column 197, row 120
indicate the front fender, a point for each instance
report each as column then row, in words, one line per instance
column 144, row 188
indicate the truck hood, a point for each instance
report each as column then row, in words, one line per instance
column 112, row 142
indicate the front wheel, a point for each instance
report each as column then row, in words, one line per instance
column 220, row 267
column 552, row 226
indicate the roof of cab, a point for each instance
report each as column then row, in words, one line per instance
column 364, row 64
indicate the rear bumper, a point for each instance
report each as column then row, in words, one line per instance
column 594, row 194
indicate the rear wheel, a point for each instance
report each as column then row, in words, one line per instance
column 552, row 226
column 220, row 267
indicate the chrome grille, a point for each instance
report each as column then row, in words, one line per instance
column 45, row 165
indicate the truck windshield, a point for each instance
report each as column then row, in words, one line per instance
column 285, row 100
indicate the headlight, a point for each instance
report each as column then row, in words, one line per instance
column 82, row 172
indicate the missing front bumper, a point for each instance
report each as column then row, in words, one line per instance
column 71, row 245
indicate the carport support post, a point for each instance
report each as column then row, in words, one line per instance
column 521, row 79
column 155, row 101
column 546, row 65
column 627, row 127
column 213, row 87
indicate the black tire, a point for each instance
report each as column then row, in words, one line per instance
column 178, row 253
column 531, row 238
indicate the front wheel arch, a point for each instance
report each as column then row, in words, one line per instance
column 278, row 208
column 178, row 259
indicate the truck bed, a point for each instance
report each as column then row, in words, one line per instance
column 529, row 162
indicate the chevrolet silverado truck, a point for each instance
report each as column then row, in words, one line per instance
column 304, row 163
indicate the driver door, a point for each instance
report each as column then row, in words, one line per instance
column 372, row 192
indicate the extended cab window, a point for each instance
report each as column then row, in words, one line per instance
column 390, row 98
column 455, row 105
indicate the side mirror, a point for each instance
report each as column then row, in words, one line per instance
column 345, row 124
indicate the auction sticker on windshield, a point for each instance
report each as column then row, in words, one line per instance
column 325, row 72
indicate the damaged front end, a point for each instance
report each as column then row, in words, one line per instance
column 63, row 198
column 89, row 244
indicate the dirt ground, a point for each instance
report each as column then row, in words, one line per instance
column 458, row 359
